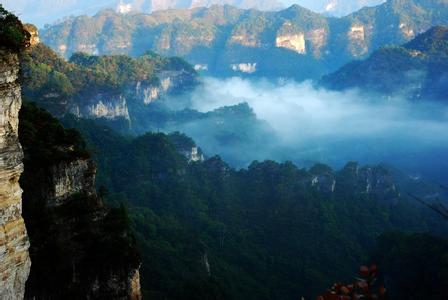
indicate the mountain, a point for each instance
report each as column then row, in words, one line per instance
column 132, row 96
column 41, row 12
column 14, row 242
column 336, row 7
column 156, row 5
column 416, row 70
column 106, row 87
column 225, row 41
column 57, row 237
column 79, row 247
column 269, row 231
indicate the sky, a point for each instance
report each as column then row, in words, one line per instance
column 41, row 12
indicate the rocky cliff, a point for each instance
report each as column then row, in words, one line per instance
column 101, row 87
column 294, row 42
column 80, row 248
column 14, row 258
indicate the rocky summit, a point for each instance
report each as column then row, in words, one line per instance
column 227, row 41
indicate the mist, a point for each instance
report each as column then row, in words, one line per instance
column 314, row 125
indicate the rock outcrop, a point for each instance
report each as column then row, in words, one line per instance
column 80, row 248
column 294, row 42
column 14, row 258
column 103, row 106
column 355, row 181
column 299, row 43
column 115, row 88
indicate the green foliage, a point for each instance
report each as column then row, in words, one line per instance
column 12, row 33
column 220, row 36
column 45, row 140
column 416, row 70
column 414, row 265
column 57, row 84
column 265, row 231
column 76, row 237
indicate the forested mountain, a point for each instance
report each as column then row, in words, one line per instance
column 120, row 203
column 101, row 86
column 41, row 12
column 223, row 40
column 130, row 95
column 79, row 247
column 271, row 231
column 417, row 70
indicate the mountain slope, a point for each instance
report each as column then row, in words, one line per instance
column 101, row 86
column 41, row 12
column 224, row 40
column 80, row 248
column 270, row 231
column 417, row 70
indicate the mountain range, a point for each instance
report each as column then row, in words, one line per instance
column 225, row 41
column 416, row 70
column 151, row 216
column 40, row 12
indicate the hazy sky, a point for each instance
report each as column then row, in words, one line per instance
column 40, row 12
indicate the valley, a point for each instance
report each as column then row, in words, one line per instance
column 226, row 152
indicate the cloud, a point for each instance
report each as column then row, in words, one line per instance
column 335, row 127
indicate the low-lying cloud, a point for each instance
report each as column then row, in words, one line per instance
column 333, row 127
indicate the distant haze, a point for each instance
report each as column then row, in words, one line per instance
column 331, row 127
column 42, row 12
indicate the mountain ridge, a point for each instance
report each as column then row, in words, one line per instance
column 227, row 41
column 416, row 70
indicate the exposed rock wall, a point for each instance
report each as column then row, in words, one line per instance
column 92, row 258
column 376, row 182
column 14, row 258
column 80, row 248
column 117, row 105
column 294, row 42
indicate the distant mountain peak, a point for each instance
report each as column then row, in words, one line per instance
column 433, row 40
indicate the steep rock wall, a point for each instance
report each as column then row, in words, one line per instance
column 14, row 258
column 80, row 248
column 90, row 257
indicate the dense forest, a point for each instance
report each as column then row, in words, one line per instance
column 77, row 241
column 416, row 70
column 271, row 231
column 196, row 226
column 58, row 85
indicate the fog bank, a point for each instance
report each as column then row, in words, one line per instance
column 335, row 127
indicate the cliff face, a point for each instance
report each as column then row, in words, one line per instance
column 14, row 258
column 106, row 87
column 80, row 248
column 118, row 104
column 220, row 38
column 357, row 181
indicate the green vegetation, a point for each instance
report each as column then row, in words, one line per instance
column 79, row 238
column 12, row 34
column 220, row 36
column 43, row 137
column 58, row 85
column 207, row 231
column 414, row 264
column 416, row 70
